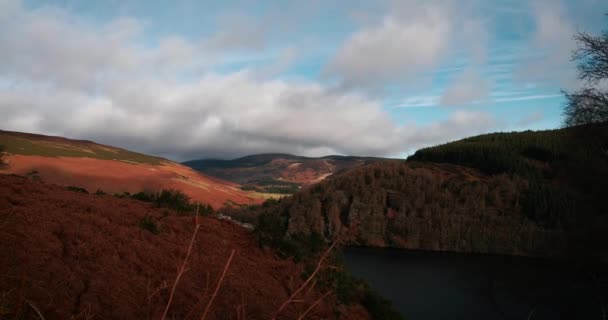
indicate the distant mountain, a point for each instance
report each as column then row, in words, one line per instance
column 276, row 172
column 532, row 193
column 95, row 167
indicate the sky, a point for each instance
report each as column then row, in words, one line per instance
column 222, row 79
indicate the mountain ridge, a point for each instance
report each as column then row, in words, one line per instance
column 278, row 172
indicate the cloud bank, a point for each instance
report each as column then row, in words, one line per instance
column 62, row 75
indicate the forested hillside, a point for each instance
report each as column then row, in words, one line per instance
column 567, row 169
column 529, row 193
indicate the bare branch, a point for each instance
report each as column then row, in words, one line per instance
column 217, row 288
column 312, row 306
column 182, row 270
column 310, row 278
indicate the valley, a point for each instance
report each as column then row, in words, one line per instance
column 281, row 174
column 303, row 160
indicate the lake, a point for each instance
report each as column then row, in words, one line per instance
column 423, row 285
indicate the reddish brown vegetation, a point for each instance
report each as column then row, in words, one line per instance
column 114, row 176
column 79, row 256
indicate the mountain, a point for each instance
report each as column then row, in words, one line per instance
column 277, row 173
column 95, row 167
column 524, row 193
column 70, row 255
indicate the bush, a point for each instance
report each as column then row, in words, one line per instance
column 270, row 230
column 301, row 246
column 251, row 188
column 203, row 209
column 378, row 307
column 172, row 199
column 77, row 189
column 143, row 196
column 122, row 195
column 148, row 224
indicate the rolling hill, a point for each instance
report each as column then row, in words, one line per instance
column 95, row 167
column 69, row 255
column 523, row 193
column 277, row 173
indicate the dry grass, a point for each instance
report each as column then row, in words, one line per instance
column 217, row 287
column 305, row 284
column 183, row 268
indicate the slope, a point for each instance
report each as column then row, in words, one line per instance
column 77, row 256
column 99, row 167
column 531, row 193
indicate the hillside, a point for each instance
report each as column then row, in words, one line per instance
column 530, row 193
column 99, row 167
column 277, row 173
column 69, row 255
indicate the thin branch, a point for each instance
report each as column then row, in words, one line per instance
column 183, row 267
column 200, row 300
column 312, row 306
column 310, row 278
column 151, row 295
column 35, row 309
column 219, row 284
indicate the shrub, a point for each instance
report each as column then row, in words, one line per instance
column 378, row 307
column 148, row 224
column 143, row 196
column 122, row 195
column 301, row 246
column 173, row 199
column 203, row 209
column 251, row 188
column 77, row 189
column 270, row 230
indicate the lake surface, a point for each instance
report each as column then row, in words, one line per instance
column 423, row 285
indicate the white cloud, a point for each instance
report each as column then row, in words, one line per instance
column 552, row 38
column 470, row 87
column 239, row 31
column 61, row 75
column 413, row 38
column 396, row 47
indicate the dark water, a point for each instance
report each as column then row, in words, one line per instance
column 457, row 286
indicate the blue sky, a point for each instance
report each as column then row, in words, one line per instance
column 190, row 79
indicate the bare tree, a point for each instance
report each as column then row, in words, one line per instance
column 590, row 104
